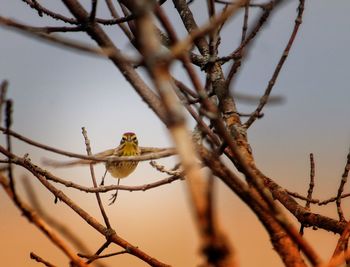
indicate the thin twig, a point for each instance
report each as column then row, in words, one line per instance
column 299, row 196
column 42, row 10
column 99, row 251
column 184, row 88
column 94, row 257
column 39, row 8
column 93, row 10
column 162, row 169
column 203, row 126
column 238, row 59
column 3, row 90
column 88, row 150
column 310, row 190
column 8, row 123
column 251, row 36
column 115, row 20
column 52, row 29
column 40, row 33
column 312, row 181
column 279, row 66
column 245, row 21
column 228, row 2
column 252, row 99
column 332, row 199
column 341, row 188
column 115, row 15
column 35, row 257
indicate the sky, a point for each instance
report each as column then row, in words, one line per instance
column 57, row 91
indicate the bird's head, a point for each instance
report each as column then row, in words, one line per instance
column 129, row 137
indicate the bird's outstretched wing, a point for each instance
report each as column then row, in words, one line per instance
column 161, row 152
column 59, row 164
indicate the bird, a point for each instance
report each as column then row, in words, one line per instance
column 121, row 169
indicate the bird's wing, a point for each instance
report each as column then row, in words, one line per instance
column 59, row 164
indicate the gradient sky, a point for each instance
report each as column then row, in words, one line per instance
column 56, row 92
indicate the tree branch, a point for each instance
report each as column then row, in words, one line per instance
column 109, row 233
column 33, row 217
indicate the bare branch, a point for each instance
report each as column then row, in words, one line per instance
column 41, row 260
column 303, row 215
column 93, row 10
column 311, row 188
column 8, row 124
column 42, row 10
column 181, row 47
column 279, row 66
column 3, row 91
column 24, row 162
column 99, row 251
column 42, row 34
column 161, row 168
column 88, row 150
column 239, row 56
column 107, row 232
column 283, row 244
column 147, row 153
column 258, row 26
column 299, row 196
column 95, row 257
column 341, row 188
column 191, row 25
column 115, row 15
column 341, row 245
column 63, row 229
column 33, row 217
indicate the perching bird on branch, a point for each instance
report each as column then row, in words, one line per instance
column 120, row 169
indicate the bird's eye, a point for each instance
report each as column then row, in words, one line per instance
column 134, row 139
column 123, row 140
